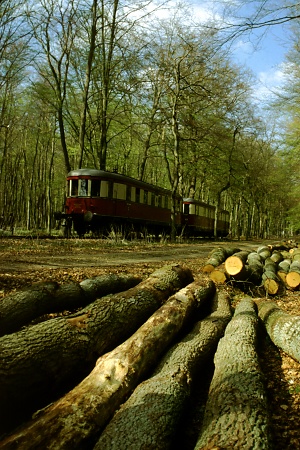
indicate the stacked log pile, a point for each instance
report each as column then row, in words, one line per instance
column 118, row 368
column 272, row 268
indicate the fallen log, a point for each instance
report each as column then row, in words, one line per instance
column 283, row 269
column 20, row 308
column 84, row 411
column 218, row 256
column 283, row 328
column 235, row 264
column 151, row 415
column 277, row 257
column 270, row 280
column 236, row 413
column 296, row 254
column 40, row 362
column 219, row 275
column 293, row 276
column 264, row 252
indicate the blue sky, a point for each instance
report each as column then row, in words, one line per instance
column 262, row 51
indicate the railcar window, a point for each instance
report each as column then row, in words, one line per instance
column 186, row 208
column 192, row 208
column 83, row 191
column 166, row 202
column 74, row 187
column 95, row 188
column 120, row 191
column 133, row 194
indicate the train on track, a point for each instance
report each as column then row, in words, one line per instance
column 97, row 201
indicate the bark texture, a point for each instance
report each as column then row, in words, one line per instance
column 19, row 309
column 283, row 329
column 39, row 363
column 236, row 412
column 217, row 257
column 84, row 411
column 151, row 415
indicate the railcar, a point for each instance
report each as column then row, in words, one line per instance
column 198, row 219
column 98, row 200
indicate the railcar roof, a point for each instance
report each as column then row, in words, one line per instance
column 114, row 176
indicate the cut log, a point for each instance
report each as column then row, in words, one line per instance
column 218, row 256
column 84, row 411
column 235, row 264
column 293, row 277
column 219, row 275
column 264, row 252
column 255, row 268
column 270, row 280
column 296, row 254
column 277, row 257
column 283, row 269
column 39, row 362
column 20, row 308
column 282, row 246
column 150, row 417
column 236, row 413
column 283, row 328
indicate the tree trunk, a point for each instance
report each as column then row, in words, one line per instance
column 84, row 411
column 17, row 310
column 283, row 329
column 39, row 362
column 217, row 257
column 219, row 275
column 151, row 415
column 293, row 277
column 235, row 264
column 236, row 411
column 271, row 281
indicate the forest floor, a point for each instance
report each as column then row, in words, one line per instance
column 24, row 262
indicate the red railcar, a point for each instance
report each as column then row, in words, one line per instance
column 199, row 219
column 98, row 200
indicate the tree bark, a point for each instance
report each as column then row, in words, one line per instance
column 84, row 411
column 283, row 328
column 271, row 281
column 293, row 277
column 19, row 309
column 235, row 264
column 217, row 257
column 151, row 415
column 44, row 360
column 236, row 411
column 219, row 275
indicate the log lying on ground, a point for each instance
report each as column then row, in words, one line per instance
column 264, row 252
column 84, row 411
column 218, row 256
column 283, row 269
column 235, row 264
column 38, row 362
column 270, row 280
column 17, row 310
column 219, row 275
column 151, row 415
column 236, row 414
column 283, row 328
column 293, row 276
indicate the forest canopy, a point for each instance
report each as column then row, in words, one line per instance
column 144, row 89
